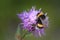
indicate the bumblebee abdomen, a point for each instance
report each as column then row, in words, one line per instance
column 40, row 26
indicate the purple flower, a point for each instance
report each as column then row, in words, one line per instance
column 29, row 21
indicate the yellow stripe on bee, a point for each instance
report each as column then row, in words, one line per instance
column 41, row 13
column 40, row 25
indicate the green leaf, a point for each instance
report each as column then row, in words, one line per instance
column 19, row 30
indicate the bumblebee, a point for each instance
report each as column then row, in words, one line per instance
column 39, row 22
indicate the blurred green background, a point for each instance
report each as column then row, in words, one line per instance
column 9, row 19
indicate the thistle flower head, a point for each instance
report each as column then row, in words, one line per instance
column 29, row 21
